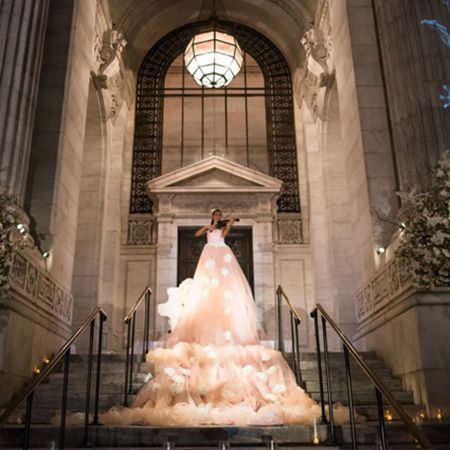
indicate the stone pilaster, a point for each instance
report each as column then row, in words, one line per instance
column 22, row 24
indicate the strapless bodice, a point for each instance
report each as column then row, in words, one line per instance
column 215, row 237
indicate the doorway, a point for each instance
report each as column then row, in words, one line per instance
column 189, row 248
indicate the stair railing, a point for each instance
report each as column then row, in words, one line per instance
column 64, row 353
column 130, row 322
column 295, row 322
column 381, row 389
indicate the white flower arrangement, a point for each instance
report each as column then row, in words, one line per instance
column 425, row 239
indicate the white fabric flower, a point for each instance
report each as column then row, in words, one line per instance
column 265, row 357
column 270, row 397
column 248, row 369
column 177, row 388
column 224, row 271
column 148, row 377
column 155, row 386
column 262, row 376
column 279, row 389
column 227, row 310
column 202, row 389
column 179, row 379
column 210, row 263
column 228, row 295
column 214, row 282
column 205, row 279
column 271, row 370
column 211, row 354
column 169, row 371
column 227, row 335
column 227, row 257
column 186, row 372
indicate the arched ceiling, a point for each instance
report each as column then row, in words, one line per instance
column 144, row 22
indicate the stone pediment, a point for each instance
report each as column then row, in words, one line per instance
column 214, row 174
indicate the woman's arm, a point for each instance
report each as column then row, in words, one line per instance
column 203, row 230
column 227, row 227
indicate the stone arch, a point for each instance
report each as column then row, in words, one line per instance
column 279, row 109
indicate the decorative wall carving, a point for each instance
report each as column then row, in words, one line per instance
column 387, row 284
column 290, row 229
column 319, row 75
column 149, row 112
column 140, row 231
column 110, row 78
column 36, row 286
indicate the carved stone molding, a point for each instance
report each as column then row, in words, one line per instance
column 386, row 285
column 319, row 74
column 40, row 289
column 290, row 229
column 110, row 77
column 140, row 231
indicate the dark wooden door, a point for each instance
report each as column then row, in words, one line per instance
column 189, row 248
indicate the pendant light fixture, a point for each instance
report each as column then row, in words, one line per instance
column 213, row 57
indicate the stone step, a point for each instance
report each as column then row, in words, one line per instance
column 339, row 374
column 364, row 398
column 283, row 436
column 376, row 363
column 341, row 385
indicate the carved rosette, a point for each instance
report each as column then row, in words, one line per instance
column 36, row 286
column 387, row 284
column 290, row 229
column 140, row 231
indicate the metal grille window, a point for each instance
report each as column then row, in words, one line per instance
column 199, row 122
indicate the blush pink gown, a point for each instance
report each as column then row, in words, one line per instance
column 213, row 370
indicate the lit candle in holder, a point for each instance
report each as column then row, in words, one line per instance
column 439, row 415
column 388, row 415
column 315, row 438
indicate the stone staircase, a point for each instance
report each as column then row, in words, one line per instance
column 48, row 399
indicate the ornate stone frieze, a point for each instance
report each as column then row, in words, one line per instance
column 387, row 284
column 140, row 230
column 290, row 229
column 39, row 288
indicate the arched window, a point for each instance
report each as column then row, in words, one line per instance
column 152, row 124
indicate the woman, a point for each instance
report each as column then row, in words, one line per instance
column 220, row 308
column 213, row 369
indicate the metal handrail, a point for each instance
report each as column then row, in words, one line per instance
column 134, row 308
column 295, row 322
column 291, row 307
column 380, row 387
column 64, row 353
column 130, row 322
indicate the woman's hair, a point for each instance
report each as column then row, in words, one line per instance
column 213, row 211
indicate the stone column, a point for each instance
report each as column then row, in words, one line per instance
column 22, row 25
column 416, row 64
